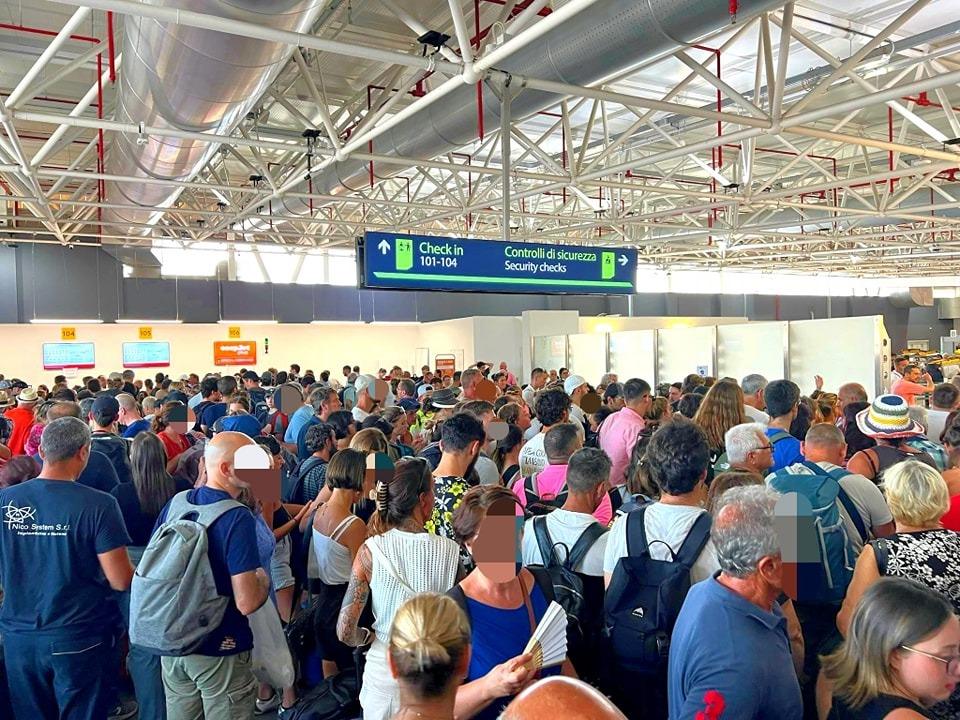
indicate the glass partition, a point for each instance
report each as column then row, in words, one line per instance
column 550, row 351
column 682, row 351
column 752, row 348
column 587, row 355
column 633, row 353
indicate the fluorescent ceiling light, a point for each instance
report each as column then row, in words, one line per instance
column 64, row 321
column 248, row 322
column 134, row 321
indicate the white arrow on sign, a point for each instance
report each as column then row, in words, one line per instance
column 384, row 247
column 623, row 259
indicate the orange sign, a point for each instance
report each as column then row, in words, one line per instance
column 235, row 352
column 446, row 365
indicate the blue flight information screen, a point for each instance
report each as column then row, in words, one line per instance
column 421, row 262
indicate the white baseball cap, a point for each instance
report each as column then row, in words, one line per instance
column 572, row 383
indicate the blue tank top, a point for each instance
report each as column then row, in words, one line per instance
column 497, row 635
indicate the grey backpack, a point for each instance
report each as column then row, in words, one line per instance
column 174, row 602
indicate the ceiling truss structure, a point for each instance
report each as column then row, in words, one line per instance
column 799, row 140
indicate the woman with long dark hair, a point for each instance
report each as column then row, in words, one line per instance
column 141, row 501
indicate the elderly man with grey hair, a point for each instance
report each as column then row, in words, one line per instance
column 753, row 403
column 730, row 651
column 62, row 555
column 747, row 448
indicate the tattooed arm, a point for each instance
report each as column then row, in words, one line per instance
column 348, row 629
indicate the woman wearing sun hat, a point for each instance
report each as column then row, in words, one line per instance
column 887, row 421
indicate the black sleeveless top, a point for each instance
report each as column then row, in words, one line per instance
column 876, row 709
column 887, row 456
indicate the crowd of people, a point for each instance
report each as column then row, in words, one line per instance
column 388, row 546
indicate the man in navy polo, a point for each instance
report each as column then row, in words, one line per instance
column 730, row 652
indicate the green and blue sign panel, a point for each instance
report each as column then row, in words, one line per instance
column 421, row 262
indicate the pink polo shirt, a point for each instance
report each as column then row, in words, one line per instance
column 550, row 482
column 908, row 390
column 618, row 435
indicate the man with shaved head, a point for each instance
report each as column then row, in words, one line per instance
column 851, row 393
column 217, row 681
column 561, row 697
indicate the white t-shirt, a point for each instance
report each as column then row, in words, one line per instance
column 487, row 471
column 865, row 496
column 936, row 421
column 670, row 524
column 533, row 458
column 359, row 415
column 757, row 416
column 565, row 527
column 528, row 395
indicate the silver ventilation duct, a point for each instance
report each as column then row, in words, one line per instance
column 190, row 79
column 608, row 38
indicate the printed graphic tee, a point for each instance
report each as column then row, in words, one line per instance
column 51, row 534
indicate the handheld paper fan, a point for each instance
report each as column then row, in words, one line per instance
column 548, row 645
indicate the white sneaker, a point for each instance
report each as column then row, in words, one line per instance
column 268, row 705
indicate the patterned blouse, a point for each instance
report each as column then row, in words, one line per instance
column 448, row 492
column 931, row 558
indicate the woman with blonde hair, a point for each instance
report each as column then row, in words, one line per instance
column 901, row 655
column 721, row 409
column 398, row 560
column 919, row 550
column 428, row 656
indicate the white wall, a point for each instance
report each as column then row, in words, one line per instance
column 499, row 339
column 317, row 347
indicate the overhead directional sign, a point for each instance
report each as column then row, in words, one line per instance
column 420, row 262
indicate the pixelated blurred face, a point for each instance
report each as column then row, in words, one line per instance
column 799, row 545
column 496, row 546
column 177, row 418
column 253, row 468
column 379, row 469
column 289, row 401
column 590, row 402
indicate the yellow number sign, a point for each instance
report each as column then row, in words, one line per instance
column 146, row 333
column 68, row 333
column 234, row 332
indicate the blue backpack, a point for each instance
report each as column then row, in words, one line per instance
column 825, row 554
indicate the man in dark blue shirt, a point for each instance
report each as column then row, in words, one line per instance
column 730, row 653
column 217, row 680
column 62, row 554
column 323, row 400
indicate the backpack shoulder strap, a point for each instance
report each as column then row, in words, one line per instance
column 778, row 436
column 303, row 469
column 588, row 537
column 530, row 488
column 543, row 580
column 842, row 496
column 852, row 511
column 881, row 548
column 636, row 532
column 695, row 541
column 544, row 543
column 180, row 506
column 460, row 598
column 209, row 514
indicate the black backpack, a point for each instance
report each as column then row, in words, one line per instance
column 645, row 596
column 299, row 476
column 536, row 505
column 335, row 698
column 580, row 596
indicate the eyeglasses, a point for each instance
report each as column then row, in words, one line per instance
column 764, row 447
column 952, row 662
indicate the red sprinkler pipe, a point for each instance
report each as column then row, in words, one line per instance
column 43, row 31
column 112, row 56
